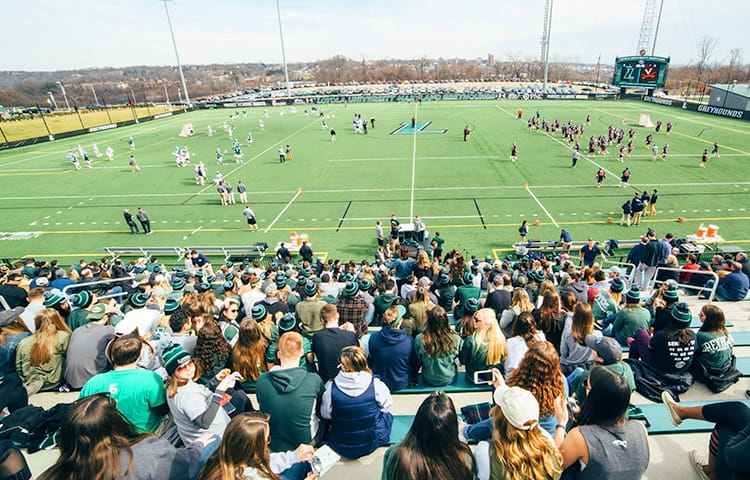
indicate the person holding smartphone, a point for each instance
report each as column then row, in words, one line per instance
column 195, row 408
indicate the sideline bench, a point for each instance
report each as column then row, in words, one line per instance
column 227, row 252
column 555, row 247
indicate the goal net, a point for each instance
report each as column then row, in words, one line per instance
column 187, row 130
column 645, row 120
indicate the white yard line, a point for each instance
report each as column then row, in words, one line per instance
column 542, row 206
column 299, row 191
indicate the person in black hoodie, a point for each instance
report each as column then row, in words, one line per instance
column 391, row 351
column 578, row 286
column 648, row 262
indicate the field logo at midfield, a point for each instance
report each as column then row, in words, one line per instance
column 18, row 235
column 419, row 127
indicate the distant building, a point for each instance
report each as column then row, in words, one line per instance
column 730, row 95
column 490, row 59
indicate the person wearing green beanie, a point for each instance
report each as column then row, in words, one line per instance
column 630, row 318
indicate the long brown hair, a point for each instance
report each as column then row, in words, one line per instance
column 714, row 320
column 48, row 322
column 431, row 448
column 524, row 453
column 92, row 435
column 539, row 372
column 549, row 312
column 583, row 322
column 210, row 347
column 244, row 444
column 438, row 338
column 250, row 352
column 14, row 328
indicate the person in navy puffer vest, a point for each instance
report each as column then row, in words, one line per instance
column 358, row 405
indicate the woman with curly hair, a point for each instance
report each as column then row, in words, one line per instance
column 431, row 448
column 486, row 347
column 550, row 318
column 539, row 372
column 249, row 355
column 211, row 350
column 437, row 349
column 519, row 448
column 40, row 356
column 244, row 453
column 458, row 268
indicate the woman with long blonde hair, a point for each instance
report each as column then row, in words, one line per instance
column 486, row 347
column 40, row 356
column 545, row 286
column 418, row 309
column 519, row 303
column 243, row 453
column 518, row 448
column 249, row 355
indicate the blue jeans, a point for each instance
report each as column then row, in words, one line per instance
column 298, row 471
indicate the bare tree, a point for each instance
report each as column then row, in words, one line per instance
column 706, row 48
column 735, row 60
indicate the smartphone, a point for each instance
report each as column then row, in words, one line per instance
column 483, row 376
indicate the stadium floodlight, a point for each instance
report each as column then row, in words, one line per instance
column 283, row 52
column 65, row 95
column 51, row 99
column 96, row 100
column 177, row 55
column 548, row 23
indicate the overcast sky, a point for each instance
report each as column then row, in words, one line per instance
column 68, row 34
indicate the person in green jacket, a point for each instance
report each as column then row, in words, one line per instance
column 385, row 300
column 464, row 292
column 290, row 394
column 631, row 318
column 486, row 347
column 437, row 349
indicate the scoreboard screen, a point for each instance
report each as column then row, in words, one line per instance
column 641, row 71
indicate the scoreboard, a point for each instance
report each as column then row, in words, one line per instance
column 641, row 71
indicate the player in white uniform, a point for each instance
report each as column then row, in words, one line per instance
column 74, row 159
column 110, row 153
column 219, row 157
column 95, row 149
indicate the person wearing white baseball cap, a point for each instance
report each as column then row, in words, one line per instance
column 519, row 448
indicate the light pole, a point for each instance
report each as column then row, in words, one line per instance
column 177, row 55
column 283, row 52
column 65, row 95
column 96, row 100
column 52, row 99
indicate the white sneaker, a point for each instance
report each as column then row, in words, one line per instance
column 669, row 402
column 698, row 463
column 461, row 428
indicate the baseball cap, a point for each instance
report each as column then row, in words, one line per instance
column 97, row 312
column 519, row 406
column 9, row 316
column 425, row 282
column 606, row 347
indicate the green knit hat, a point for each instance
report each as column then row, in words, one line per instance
column 81, row 299
column 288, row 322
column 139, row 300
column 173, row 357
column 258, row 312
column 51, row 299
column 471, row 305
column 311, row 288
column 670, row 295
column 171, row 306
column 350, row 289
column 617, row 285
column 681, row 315
column 633, row 295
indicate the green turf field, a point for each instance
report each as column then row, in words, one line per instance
column 334, row 192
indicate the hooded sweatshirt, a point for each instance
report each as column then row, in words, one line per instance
column 392, row 357
column 355, row 384
column 290, row 396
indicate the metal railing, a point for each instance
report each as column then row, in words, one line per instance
column 686, row 286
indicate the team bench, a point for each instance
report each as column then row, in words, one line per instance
column 557, row 247
column 228, row 252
